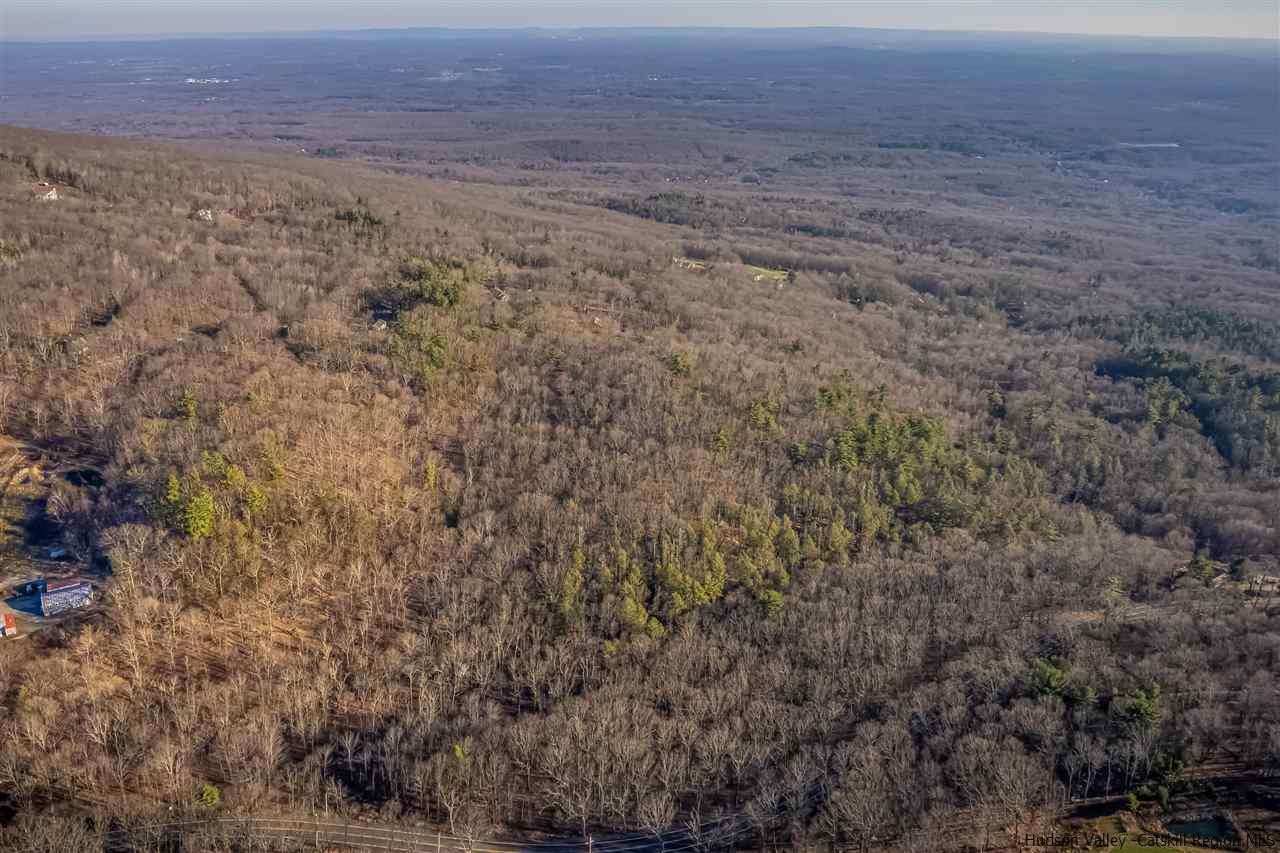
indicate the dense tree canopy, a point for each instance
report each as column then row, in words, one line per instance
column 453, row 503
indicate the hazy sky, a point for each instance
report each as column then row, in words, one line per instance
column 28, row 19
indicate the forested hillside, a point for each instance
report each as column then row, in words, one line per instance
column 523, row 510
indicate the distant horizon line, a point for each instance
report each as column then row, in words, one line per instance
column 109, row 38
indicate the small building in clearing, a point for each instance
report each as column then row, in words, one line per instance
column 65, row 595
column 45, row 191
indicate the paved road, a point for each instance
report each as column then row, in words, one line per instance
column 360, row 836
column 334, row 834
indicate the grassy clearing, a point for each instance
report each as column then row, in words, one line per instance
column 776, row 276
column 767, row 273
